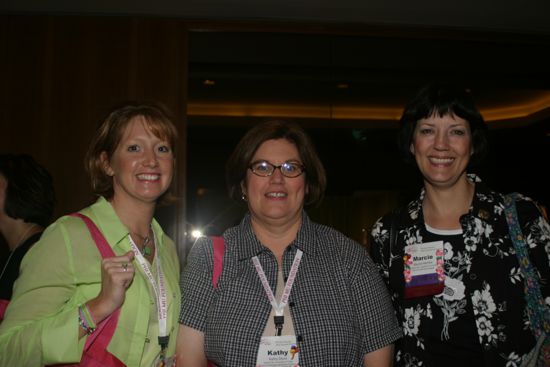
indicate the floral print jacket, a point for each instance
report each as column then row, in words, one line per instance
column 484, row 274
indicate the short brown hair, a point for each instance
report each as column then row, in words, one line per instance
column 240, row 159
column 109, row 134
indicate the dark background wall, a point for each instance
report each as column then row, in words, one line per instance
column 61, row 73
column 335, row 71
column 59, row 77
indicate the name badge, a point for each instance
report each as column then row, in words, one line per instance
column 278, row 351
column 423, row 269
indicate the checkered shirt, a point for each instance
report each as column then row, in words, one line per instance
column 339, row 305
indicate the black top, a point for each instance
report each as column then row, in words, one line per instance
column 11, row 264
column 464, row 346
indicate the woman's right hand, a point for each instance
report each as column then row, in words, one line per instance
column 117, row 274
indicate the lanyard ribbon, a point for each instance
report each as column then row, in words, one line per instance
column 159, row 289
column 280, row 306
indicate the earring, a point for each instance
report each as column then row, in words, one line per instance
column 243, row 197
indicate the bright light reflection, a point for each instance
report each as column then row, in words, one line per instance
column 196, row 233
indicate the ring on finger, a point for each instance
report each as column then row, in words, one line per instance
column 125, row 267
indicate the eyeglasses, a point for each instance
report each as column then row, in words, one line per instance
column 288, row 169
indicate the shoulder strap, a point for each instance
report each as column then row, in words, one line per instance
column 537, row 310
column 394, row 228
column 218, row 245
column 95, row 348
column 219, row 248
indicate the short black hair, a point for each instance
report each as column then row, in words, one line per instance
column 443, row 99
column 30, row 194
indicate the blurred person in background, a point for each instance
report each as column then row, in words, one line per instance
column 27, row 201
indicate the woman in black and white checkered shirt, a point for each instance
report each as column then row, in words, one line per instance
column 328, row 307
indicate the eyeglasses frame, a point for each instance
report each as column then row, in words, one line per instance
column 301, row 166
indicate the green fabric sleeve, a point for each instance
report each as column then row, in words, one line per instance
column 41, row 324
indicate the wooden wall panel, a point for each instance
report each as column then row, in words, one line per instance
column 60, row 75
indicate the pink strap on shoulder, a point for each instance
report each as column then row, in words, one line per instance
column 3, row 305
column 95, row 349
column 219, row 247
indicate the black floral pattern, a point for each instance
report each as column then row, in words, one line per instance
column 481, row 268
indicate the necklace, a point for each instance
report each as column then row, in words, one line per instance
column 145, row 250
column 7, row 262
column 24, row 235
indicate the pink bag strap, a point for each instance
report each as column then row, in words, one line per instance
column 218, row 245
column 105, row 329
column 219, row 248
column 3, row 305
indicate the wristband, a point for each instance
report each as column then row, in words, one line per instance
column 85, row 319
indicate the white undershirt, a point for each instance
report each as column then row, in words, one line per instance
column 443, row 232
column 288, row 326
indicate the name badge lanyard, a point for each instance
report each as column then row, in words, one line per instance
column 279, row 307
column 159, row 289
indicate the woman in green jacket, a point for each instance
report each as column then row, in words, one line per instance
column 66, row 290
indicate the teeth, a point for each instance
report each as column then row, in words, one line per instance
column 148, row 177
column 441, row 160
column 276, row 194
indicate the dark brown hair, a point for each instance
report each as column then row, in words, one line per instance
column 441, row 100
column 30, row 194
column 240, row 159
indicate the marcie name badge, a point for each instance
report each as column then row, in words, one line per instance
column 423, row 269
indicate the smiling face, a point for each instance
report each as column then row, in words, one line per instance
column 276, row 198
column 141, row 166
column 442, row 147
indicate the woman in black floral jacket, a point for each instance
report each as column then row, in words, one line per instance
column 451, row 268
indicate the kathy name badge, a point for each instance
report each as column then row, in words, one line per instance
column 278, row 351
column 423, row 269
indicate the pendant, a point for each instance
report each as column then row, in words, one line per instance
column 146, row 251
